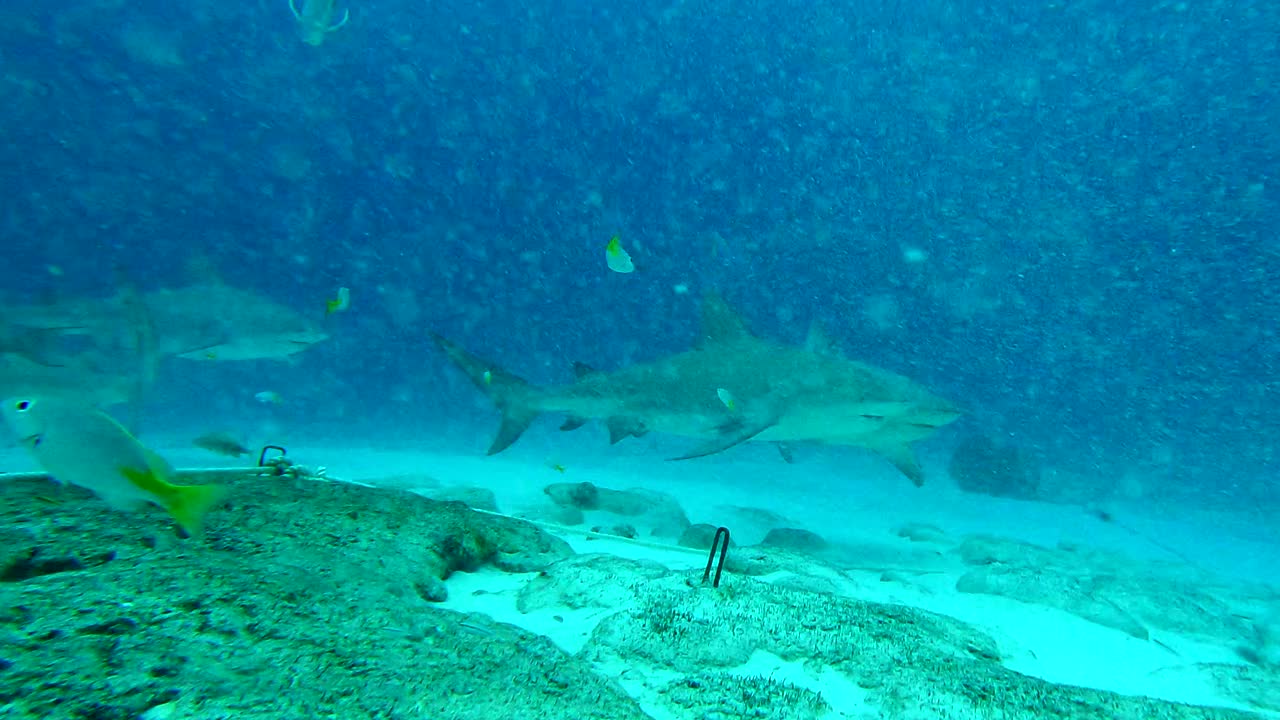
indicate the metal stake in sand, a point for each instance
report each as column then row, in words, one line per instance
column 724, row 549
column 262, row 456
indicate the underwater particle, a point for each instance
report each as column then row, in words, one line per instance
column 54, row 270
column 268, row 397
column 914, row 255
column 221, row 443
column 680, row 289
column 617, row 258
column 80, row 445
column 727, row 398
column 339, row 303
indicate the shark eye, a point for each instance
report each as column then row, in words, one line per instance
column 23, row 405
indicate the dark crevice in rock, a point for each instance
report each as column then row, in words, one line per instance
column 33, row 566
column 119, row 626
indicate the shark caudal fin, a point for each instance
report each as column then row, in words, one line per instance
column 508, row 392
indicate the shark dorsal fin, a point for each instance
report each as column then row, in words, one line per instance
column 721, row 323
column 818, row 342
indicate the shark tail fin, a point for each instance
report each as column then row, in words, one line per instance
column 508, row 392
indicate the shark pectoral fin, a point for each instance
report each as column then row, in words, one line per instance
column 573, row 423
column 515, row 420
column 621, row 428
column 904, row 459
column 346, row 15
column 201, row 352
column 731, row 433
column 785, row 450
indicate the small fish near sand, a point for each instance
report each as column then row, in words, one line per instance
column 222, row 443
column 79, row 445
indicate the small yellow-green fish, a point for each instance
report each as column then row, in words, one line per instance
column 727, row 398
column 617, row 258
column 339, row 303
column 487, row 377
column 269, row 397
column 83, row 446
column 221, row 443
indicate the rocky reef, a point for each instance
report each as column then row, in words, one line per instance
column 303, row 600
column 313, row 599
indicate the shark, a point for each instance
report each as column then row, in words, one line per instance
column 205, row 321
column 732, row 387
column 89, row 380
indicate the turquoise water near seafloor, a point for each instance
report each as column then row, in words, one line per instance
column 1056, row 219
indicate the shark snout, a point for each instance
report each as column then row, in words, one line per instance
column 307, row 337
column 936, row 416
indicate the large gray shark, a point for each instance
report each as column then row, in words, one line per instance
column 732, row 388
column 208, row 321
column 83, row 381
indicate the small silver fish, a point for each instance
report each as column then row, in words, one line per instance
column 82, row 446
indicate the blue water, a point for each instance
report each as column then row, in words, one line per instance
column 1060, row 215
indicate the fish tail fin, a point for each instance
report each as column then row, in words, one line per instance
column 189, row 503
column 509, row 393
